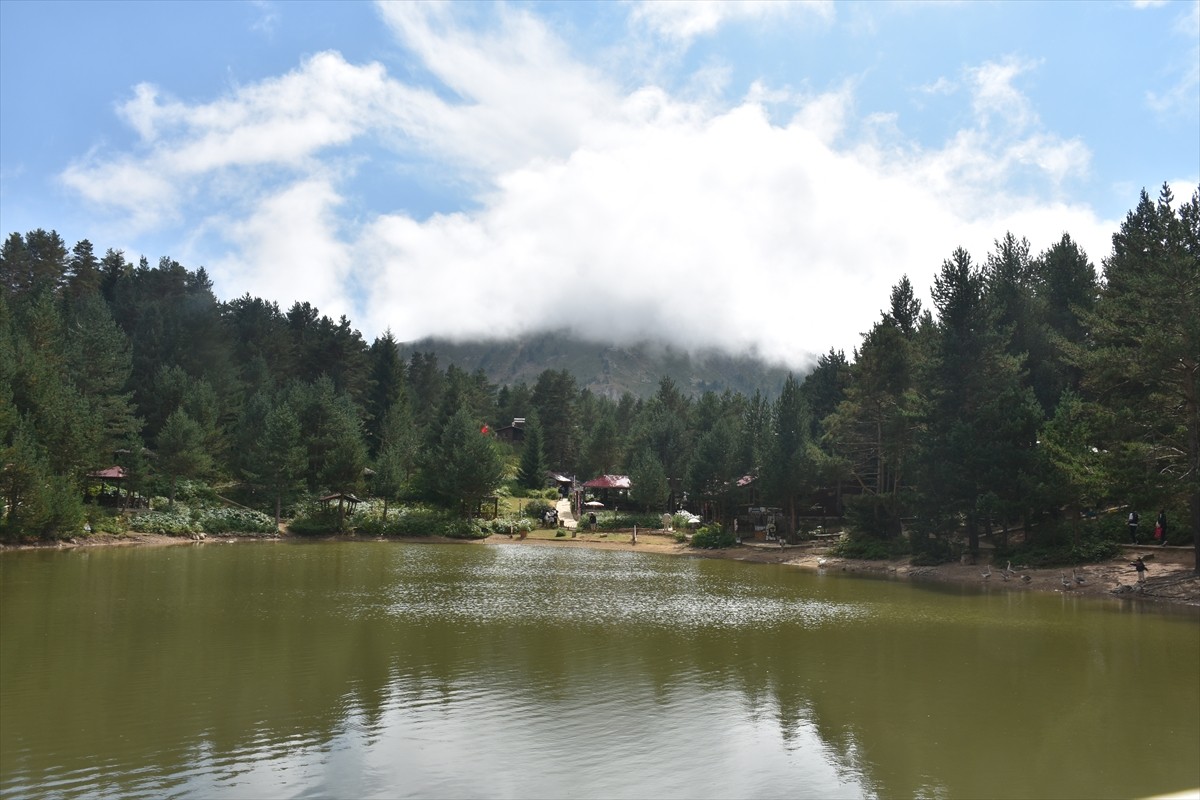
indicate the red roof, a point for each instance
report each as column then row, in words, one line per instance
column 112, row 473
column 609, row 482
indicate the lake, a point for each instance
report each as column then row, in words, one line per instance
column 378, row 669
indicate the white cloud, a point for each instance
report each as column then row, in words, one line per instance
column 684, row 21
column 289, row 249
column 619, row 212
column 213, row 148
column 995, row 97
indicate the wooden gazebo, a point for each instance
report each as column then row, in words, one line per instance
column 346, row 503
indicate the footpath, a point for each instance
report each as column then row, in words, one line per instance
column 564, row 514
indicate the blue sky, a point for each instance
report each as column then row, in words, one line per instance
column 753, row 176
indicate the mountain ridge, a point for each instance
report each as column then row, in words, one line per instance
column 606, row 368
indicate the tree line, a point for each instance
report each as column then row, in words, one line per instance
column 1034, row 390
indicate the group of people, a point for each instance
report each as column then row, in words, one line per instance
column 1160, row 527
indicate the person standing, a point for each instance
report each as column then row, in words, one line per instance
column 1140, row 566
column 1162, row 527
column 1133, row 525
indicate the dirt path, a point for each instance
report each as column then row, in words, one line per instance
column 564, row 514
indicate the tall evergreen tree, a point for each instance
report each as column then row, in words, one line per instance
column 181, row 452
column 532, row 472
column 1143, row 359
column 648, row 479
column 277, row 461
column 465, row 466
column 790, row 470
column 555, row 397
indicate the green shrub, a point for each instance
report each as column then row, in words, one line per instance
column 234, row 520
column 713, row 537
column 420, row 521
column 507, row 525
column 178, row 522
column 536, row 509
column 931, row 552
column 1055, row 544
column 464, row 529
column 315, row 521
column 612, row 520
column 869, row 548
column 104, row 522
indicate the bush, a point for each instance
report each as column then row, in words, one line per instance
column 678, row 521
column 612, row 521
column 315, row 521
column 178, row 522
column 931, row 552
column 506, row 525
column 465, row 529
column 869, row 548
column 234, row 520
column 713, row 537
column 406, row 521
column 536, row 509
column 104, row 522
column 1054, row 545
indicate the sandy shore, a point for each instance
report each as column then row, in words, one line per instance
column 1169, row 577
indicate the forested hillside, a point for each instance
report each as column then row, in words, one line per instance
column 609, row 370
column 1034, row 392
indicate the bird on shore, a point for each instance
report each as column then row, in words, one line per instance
column 1066, row 583
column 1008, row 569
column 987, row 573
column 821, row 562
column 1004, row 576
column 1026, row 578
column 1078, row 578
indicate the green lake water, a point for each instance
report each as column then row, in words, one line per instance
column 364, row 669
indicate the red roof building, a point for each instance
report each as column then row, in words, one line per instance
column 609, row 482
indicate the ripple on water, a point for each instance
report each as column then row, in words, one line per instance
column 594, row 588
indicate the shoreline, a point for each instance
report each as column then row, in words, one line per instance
column 1170, row 578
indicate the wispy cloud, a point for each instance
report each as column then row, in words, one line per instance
column 267, row 19
column 1181, row 96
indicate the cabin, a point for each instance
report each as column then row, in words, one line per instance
column 513, row 433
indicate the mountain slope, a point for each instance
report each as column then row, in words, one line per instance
column 605, row 369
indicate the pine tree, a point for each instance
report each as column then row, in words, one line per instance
column 465, row 466
column 277, row 461
column 648, row 479
column 1143, row 359
column 181, row 452
column 532, row 471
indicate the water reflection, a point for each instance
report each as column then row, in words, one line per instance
column 360, row 670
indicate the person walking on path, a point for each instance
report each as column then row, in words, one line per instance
column 1133, row 523
column 1160, row 529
